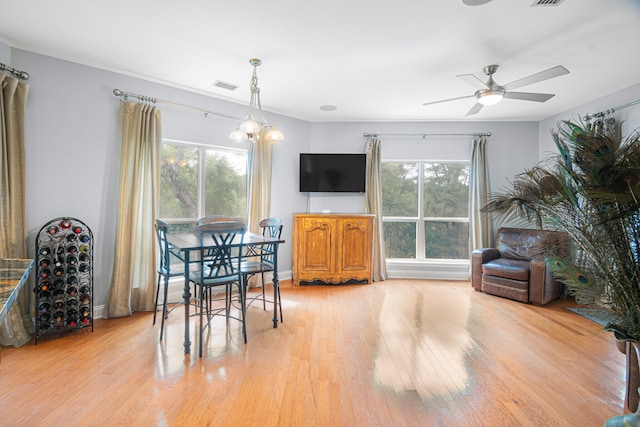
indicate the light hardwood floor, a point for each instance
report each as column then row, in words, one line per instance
column 394, row 353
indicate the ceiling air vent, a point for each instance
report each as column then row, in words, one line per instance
column 546, row 3
column 225, row 85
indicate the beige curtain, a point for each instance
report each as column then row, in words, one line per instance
column 134, row 270
column 17, row 328
column 374, row 206
column 480, row 229
column 260, row 159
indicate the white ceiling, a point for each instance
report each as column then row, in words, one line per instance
column 375, row 60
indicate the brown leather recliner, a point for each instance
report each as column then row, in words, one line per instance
column 516, row 267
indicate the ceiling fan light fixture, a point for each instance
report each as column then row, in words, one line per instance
column 490, row 96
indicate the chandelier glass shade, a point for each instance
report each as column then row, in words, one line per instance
column 250, row 128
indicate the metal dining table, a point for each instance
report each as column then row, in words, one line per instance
column 187, row 247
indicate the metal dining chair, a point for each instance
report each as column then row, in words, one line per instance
column 218, row 270
column 165, row 271
column 260, row 260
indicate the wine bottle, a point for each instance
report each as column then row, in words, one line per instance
column 44, row 273
column 44, row 317
column 72, row 302
column 72, row 291
column 58, row 319
column 84, row 268
column 58, row 271
column 84, row 288
column 84, row 238
column 44, row 285
column 72, row 269
column 84, row 257
column 52, row 229
column 72, row 260
column 45, row 262
column 59, row 304
column 85, row 299
column 65, row 224
column 44, row 251
column 71, row 237
column 44, row 307
column 72, row 249
column 77, row 229
column 72, row 280
column 58, row 283
column 84, row 249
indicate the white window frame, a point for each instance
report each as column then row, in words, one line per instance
column 202, row 148
column 454, row 269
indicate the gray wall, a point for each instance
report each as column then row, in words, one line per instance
column 72, row 148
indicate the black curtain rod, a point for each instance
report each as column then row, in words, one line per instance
column 144, row 98
column 16, row 73
column 424, row 135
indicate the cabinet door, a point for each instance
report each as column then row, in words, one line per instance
column 315, row 254
column 355, row 250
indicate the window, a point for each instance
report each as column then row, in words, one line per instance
column 198, row 180
column 425, row 209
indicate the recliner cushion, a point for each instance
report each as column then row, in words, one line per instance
column 507, row 268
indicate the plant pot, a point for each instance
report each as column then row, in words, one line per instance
column 628, row 420
column 630, row 348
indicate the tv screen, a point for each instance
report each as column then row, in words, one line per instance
column 332, row 172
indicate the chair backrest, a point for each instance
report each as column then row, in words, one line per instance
column 211, row 218
column 220, row 254
column 526, row 244
column 271, row 227
column 215, row 218
column 162, row 228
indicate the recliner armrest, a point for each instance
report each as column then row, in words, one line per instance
column 478, row 257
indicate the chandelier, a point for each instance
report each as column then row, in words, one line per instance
column 250, row 128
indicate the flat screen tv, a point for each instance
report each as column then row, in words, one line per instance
column 320, row 172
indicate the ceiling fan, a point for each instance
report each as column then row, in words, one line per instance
column 490, row 93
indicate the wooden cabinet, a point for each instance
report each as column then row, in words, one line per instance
column 332, row 248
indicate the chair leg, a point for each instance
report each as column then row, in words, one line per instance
column 280, row 304
column 155, row 309
column 264, row 303
column 202, row 297
column 243, row 311
column 164, row 305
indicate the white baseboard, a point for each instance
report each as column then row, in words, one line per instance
column 432, row 269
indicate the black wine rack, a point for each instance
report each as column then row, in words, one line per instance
column 64, row 277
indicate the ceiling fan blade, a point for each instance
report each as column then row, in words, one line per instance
column 475, row 109
column 528, row 96
column 537, row 77
column 473, row 81
column 450, row 99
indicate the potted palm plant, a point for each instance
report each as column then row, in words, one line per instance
column 590, row 190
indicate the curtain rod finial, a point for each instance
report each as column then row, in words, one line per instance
column 117, row 92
